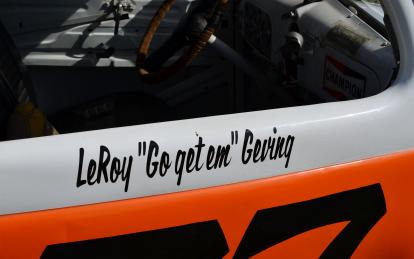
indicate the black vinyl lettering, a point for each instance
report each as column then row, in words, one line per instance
column 222, row 157
column 199, row 157
column 153, row 151
column 199, row 147
column 257, row 150
column 179, row 165
column 210, row 158
column 79, row 181
column 126, row 174
column 106, row 163
column 247, row 153
column 91, row 172
column 103, row 163
column 115, row 169
column 190, row 159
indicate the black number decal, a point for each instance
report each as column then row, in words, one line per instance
column 199, row 240
column 363, row 207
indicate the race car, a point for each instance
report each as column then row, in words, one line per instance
column 206, row 129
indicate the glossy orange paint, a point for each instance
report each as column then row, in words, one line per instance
column 26, row 235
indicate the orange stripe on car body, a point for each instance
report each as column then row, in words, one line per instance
column 27, row 235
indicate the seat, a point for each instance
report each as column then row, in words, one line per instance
column 14, row 82
column 16, row 97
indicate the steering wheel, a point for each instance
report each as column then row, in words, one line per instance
column 199, row 26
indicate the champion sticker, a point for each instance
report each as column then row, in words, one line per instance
column 342, row 82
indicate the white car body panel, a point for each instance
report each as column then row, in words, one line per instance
column 38, row 174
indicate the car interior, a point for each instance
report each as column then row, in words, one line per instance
column 83, row 64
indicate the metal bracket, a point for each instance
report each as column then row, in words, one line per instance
column 123, row 5
column 119, row 10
